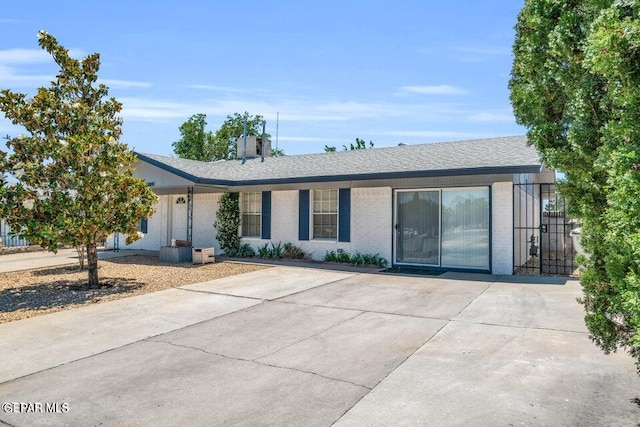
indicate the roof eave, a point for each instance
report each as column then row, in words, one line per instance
column 489, row 170
column 394, row 175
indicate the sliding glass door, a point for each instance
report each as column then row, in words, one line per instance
column 443, row 227
column 465, row 228
column 418, row 227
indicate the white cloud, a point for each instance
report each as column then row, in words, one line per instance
column 435, row 90
column 489, row 116
column 484, row 50
column 469, row 54
column 432, row 134
column 23, row 56
column 31, row 56
column 9, row 76
column 215, row 88
column 302, row 139
column 124, row 84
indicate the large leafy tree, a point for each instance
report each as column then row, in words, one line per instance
column 576, row 86
column 73, row 178
column 225, row 138
column 197, row 143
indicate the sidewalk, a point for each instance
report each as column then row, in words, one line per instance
column 29, row 260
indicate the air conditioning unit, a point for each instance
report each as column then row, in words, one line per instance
column 254, row 148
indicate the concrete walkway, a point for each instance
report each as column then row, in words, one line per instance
column 42, row 259
column 302, row 346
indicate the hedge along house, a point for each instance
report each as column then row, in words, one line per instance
column 441, row 205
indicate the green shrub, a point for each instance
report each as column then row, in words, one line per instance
column 242, row 251
column 263, row 251
column 227, row 223
column 292, row 251
column 357, row 258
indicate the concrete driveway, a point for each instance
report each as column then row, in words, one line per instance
column 302, row 346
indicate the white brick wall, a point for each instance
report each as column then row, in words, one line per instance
column 156, row 230
column 370, row 223
column 204, row 215
column 371, row 215
column 502, row 228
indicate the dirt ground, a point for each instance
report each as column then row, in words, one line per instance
column 33, row 292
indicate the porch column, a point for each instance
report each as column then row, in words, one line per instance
column 502, row 228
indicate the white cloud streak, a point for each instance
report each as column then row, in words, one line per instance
column 124, row 84
column 31, row 56
column 435, row 90
column 432, row 134
column 489, row 116
column 144, row 109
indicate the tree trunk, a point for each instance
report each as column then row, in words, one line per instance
column 92, row 261
column 80, row 250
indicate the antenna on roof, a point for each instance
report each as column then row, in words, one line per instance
column 264, row 140
column 244, row 137
column 277, row 124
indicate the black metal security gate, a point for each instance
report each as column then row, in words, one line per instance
column 542, row 243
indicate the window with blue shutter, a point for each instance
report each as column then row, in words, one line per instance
column 266, row 215
column 303, row 215
column 344, row 215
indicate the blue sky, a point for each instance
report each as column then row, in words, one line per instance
column 402, row 72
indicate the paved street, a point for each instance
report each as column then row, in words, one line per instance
column 304, row 346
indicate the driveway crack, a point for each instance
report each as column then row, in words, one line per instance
column 309, row 337
column 240, row 359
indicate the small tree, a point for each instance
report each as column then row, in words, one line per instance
column 359, row 145
column 228, row 222
column 74, row 184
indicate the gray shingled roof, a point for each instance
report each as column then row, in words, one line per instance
column 493, row 155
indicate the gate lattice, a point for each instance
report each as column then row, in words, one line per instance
column 541, row 231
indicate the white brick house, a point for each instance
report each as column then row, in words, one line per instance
column 443, row 205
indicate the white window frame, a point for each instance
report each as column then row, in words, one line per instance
column 245, row 203
column 314, row 213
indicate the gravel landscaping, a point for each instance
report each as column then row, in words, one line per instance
column 33, row 292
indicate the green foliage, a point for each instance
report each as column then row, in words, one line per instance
column 196, row 143
column 279, row 251
column 277, row 152
column 224, row 140
column 357, row 258
column 276, row 251
column 576, row 86
column 243, row 250
column 228, row 222
column 292, row 251
column 359, row 145
column 263, row 251
column 74, row 183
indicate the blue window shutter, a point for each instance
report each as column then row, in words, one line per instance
column 266, row 215
column 344, row 215
column 303, row 215
column 144, row 225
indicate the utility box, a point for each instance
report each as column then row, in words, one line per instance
column 255, row 147
column 174, row 254
column 203, row 255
